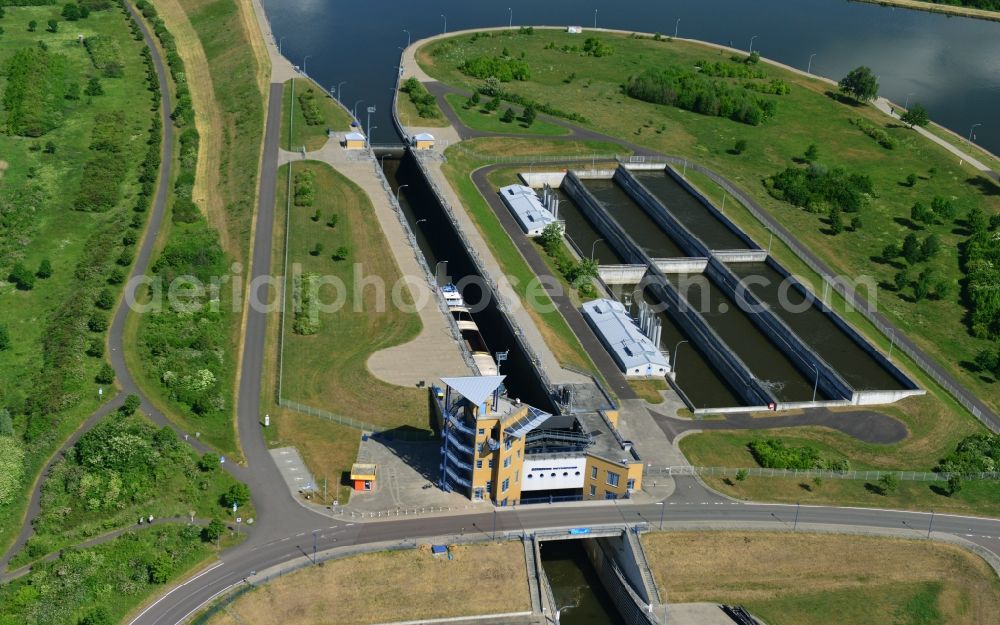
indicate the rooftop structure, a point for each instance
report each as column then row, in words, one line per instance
column 636, row 354
column 529, row 211
column 354, row 141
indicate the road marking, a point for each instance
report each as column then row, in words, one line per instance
column 152, row 605
column 200, row 605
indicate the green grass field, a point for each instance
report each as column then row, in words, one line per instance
column 313, row 137
column 328, row 369
column 468, row 156
column 806, row 115
column 42, row 186
column 479, row 118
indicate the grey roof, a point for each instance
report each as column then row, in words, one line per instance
column 475, row 388
column 354, row 136
column 529, row 422
column 630, row 347
column 524, row 203
column 424, row 136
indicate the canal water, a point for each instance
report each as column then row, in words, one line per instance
column 817, row 330
column 644, row 231
column 949, row 64
column 575, row 583
column 690, row 212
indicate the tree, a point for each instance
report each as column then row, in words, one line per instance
column 71, row 11
column 930, row 247
column 22, row 278
column 98, row 322
column 856, row 223
column 901, row 280
column 916, row 116
column 94, row 87
column 106, row 375
column 32, row 26
column 104, row 300
column 977, row 220
column 341, row 253
column 238, row 494
column 995, row 222
column 213, row 531
column 911, row 249
column 316, row 250
column 132, row 403
column 96, row 348
column 860, row 84
column 954, row 484
column 740, row 147
column 529, row 115
column 316, row 215
column 942, row 289
column 811, row 154
column 888, row 483
column 922, row 288
column 742, row 475
column 493, row 104
column 97, row 616
column 508, row 116
column 836, row 221
column 44, row 269
column 988, row 361
column 943, row 208
column 53, row 26
column 911, row 180
column 208, row 462
column 475, row 99
column 921, row 214
column 890, row 251
column 334, row 219
column 116, row 275
column 4, row 338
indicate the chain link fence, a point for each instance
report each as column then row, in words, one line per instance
column 903, row 476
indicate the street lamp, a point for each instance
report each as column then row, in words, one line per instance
column 407, row 37
column 593, row 245
column 674, row 364
column 810, row 67
column 370, row 130
column 559, row 612
column 371, row 109
column 907, row 104
column 662, row 508
column 595, row 18
column 677, row 25
column 973, row 129
column 510, row 20
column 398, row 189
column 354, row 109
column 445, row 18
column 751, row 43
column 280, row 39
column 419, row 220
column 339, row 84
column 304, row 64
column 438, row 264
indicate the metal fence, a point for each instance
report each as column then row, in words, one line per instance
column 945, row 381
column 903, row 476
column 403, row 435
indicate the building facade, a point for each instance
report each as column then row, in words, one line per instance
column 498, row 449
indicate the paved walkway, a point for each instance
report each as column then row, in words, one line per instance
column 281, row 68
column 434, row 353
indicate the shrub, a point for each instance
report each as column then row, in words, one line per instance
column 872, row 130
column 208, row 462
column 305, row 188
column 94, row 87
column 106, row 375
column 772, row 453
column 53, row 26
column 22, row 277
column 4, row 338
column 310, row 108
column 105, row 300
column 305, row 317
column 681, row 87
column 740, row 147
column 888, row 483
column 44, row 269
column 504, row 69
column 508, row 116
column 814, row 187
column 341, row 253
column 424, row 101
column 11, row 468
column 213, row 531
column 95, row 348
column 238, row 494
column 35, row 91
column 132, row 403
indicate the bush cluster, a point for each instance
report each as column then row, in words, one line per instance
column 422, row 99
column 305, row 188
column 688, row 90
column 305, row 318
column 310, row 108
column 875, row 132
column 773, row 453
column 816, row 187
column 578, row 274
column 537, row 107
column 979, row 453
column 724, row 69
column 981, row 263
column 503, row 68
column 183, row 113
column 100, row 186
column 105, row 54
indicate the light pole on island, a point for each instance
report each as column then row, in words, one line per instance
column 673, row 365
column 354, row 109
column 445, row 18
column 407, row 37
column 971, row 130
column 751, row 43
column 339, row 85
column 906, row 105
column 398, row 189
column 306, row 58
column 594, row 245
column 810, row 67
column 662, row 508
column 677, row 25
column 510, row 17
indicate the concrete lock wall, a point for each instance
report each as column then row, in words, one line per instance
column 681, row 265
column 621, row 274
column 854, row 335
column 740, row 256
column 632, row 608
column 728, row 365
column 802, row 356
column 540, row 179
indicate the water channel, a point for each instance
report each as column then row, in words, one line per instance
column 575, row 583
column 949, row 64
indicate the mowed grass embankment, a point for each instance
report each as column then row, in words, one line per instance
column 47, row 382
column 391, row 586
column 468, row 156
column 805, row 116
column 328, row 369
column 826, row 579
column 325, row 113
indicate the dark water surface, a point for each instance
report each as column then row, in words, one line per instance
column 950, row 64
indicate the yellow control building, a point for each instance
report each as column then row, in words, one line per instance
column 494, row 447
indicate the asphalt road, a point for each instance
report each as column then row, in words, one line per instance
column 297, row 546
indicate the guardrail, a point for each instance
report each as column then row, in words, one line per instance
column 905, row 476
